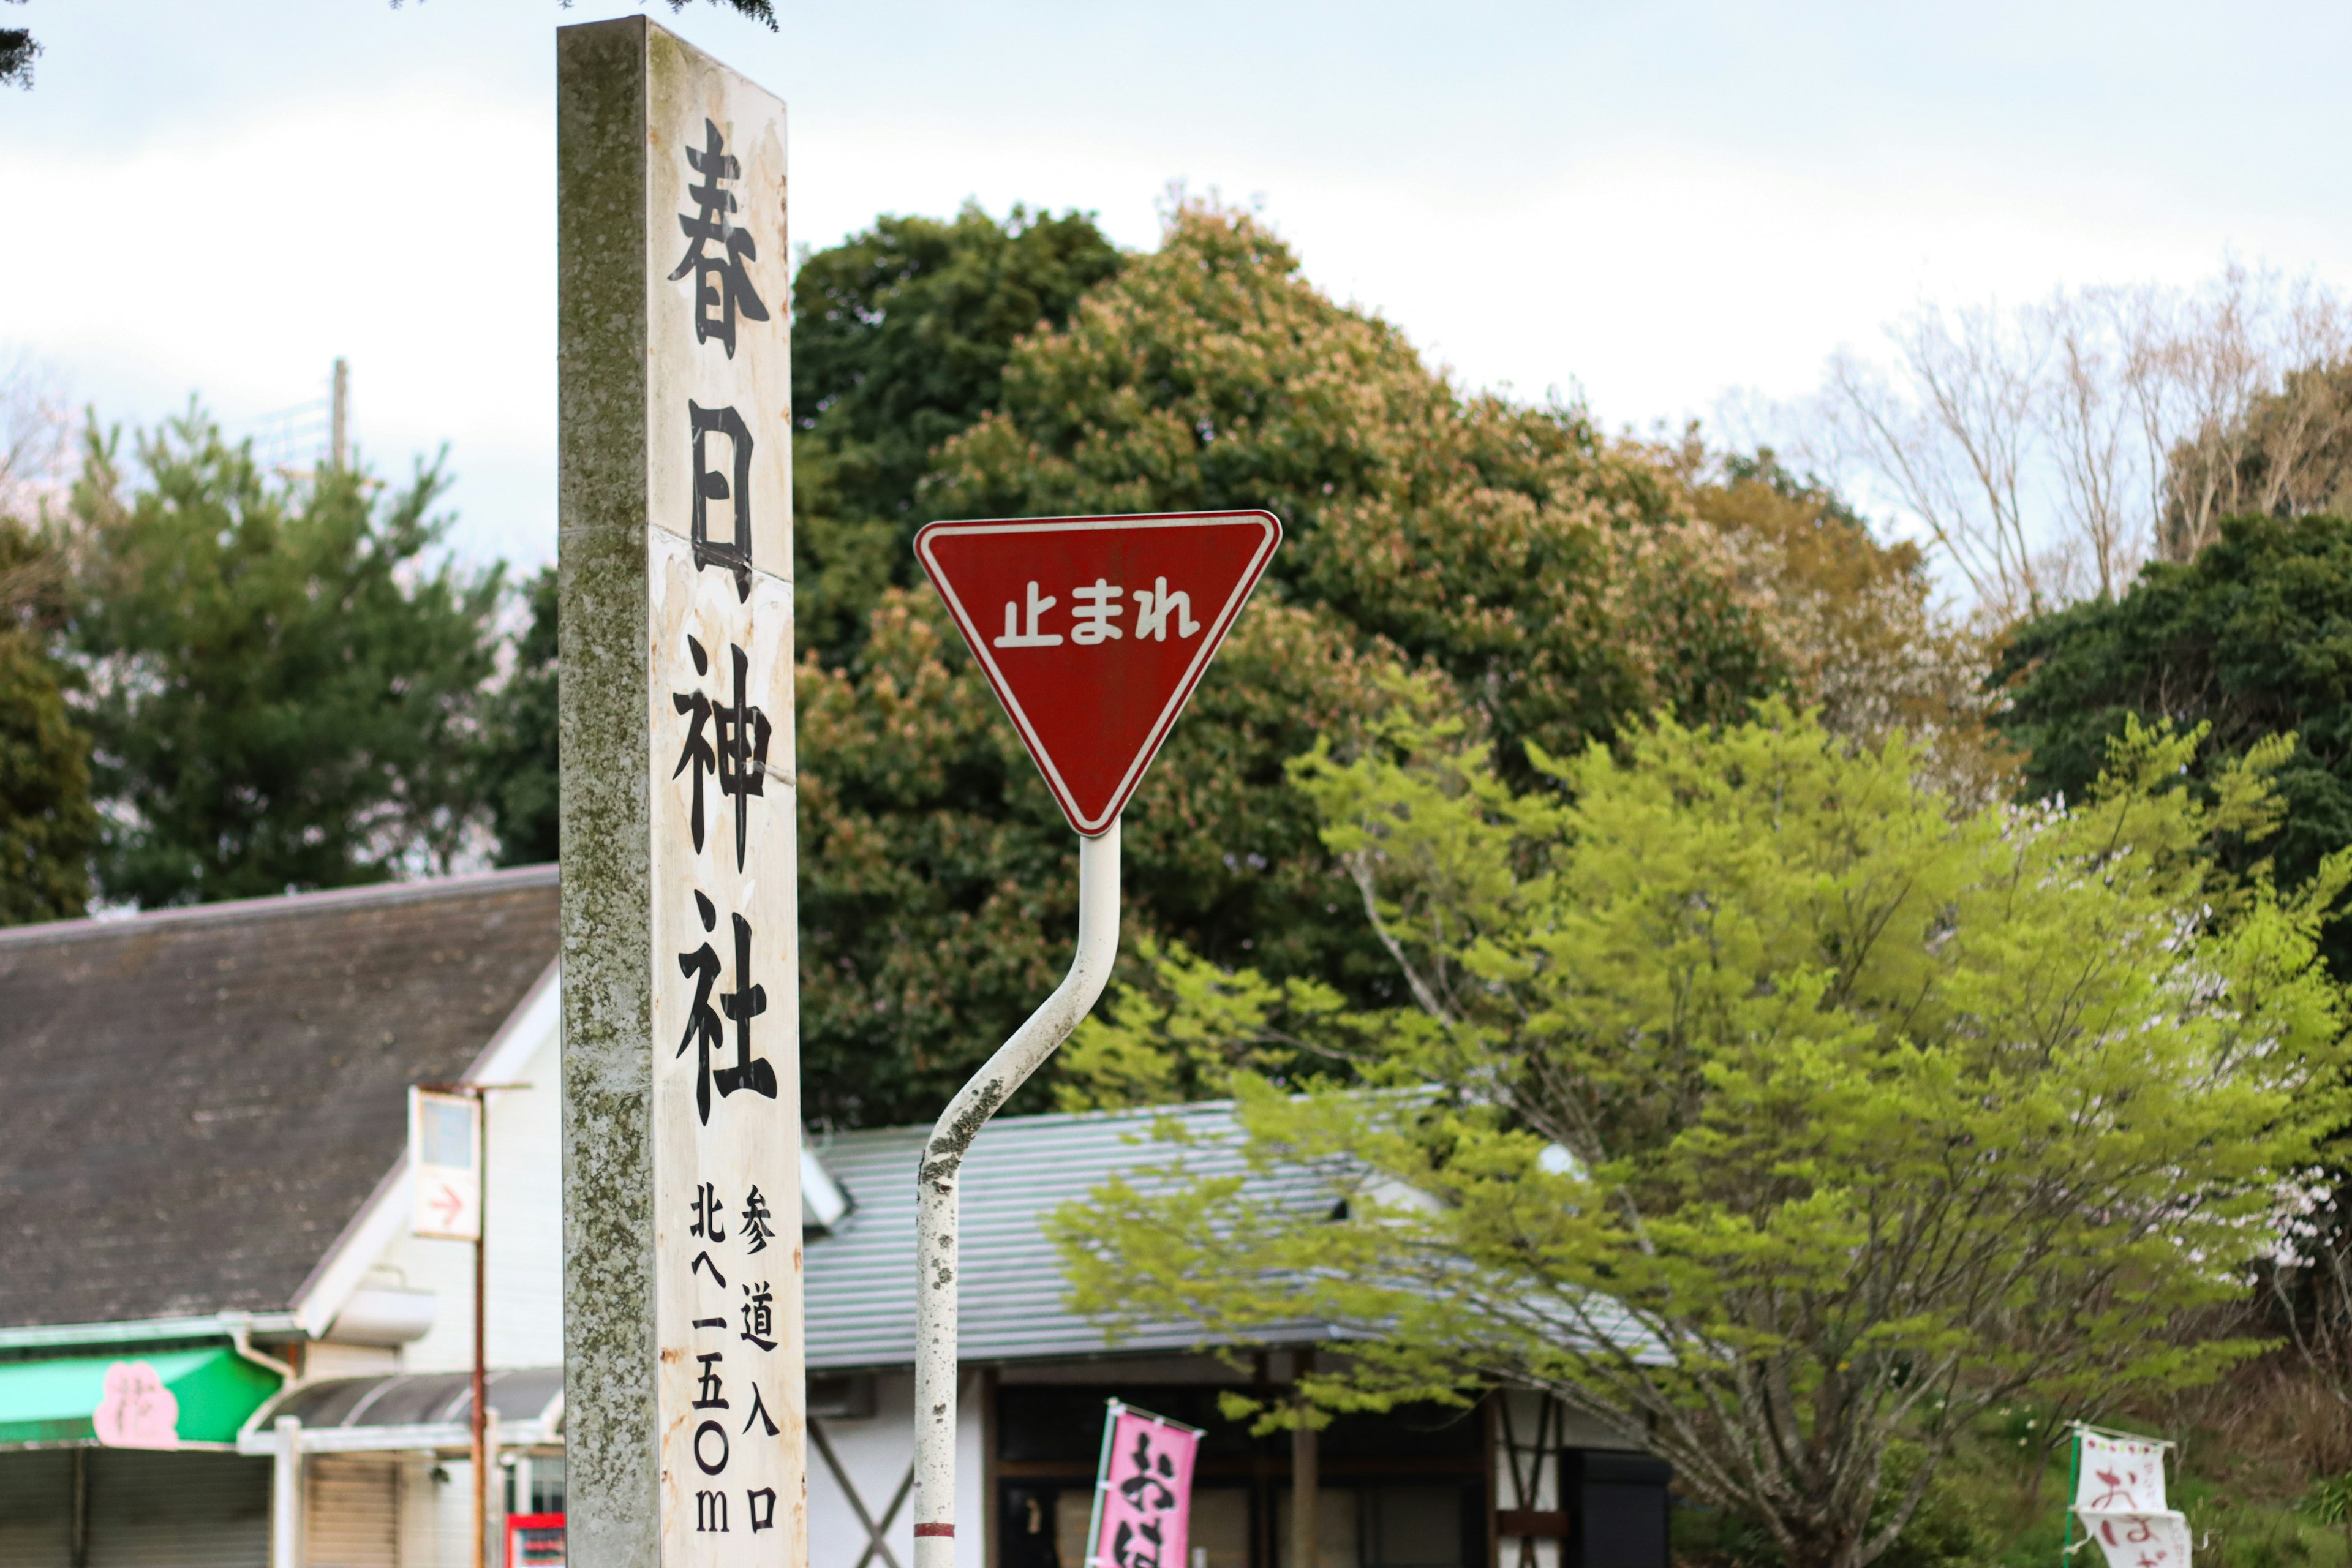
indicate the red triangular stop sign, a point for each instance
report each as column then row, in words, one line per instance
column 1094, row 630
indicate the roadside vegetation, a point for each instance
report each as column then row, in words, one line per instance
column 1861, row 914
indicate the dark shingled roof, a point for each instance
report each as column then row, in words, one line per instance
column 193, row 1103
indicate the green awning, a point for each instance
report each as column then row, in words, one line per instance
column 52, row 1401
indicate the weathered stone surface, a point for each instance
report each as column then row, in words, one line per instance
column 679, row 813
column 611, row 1477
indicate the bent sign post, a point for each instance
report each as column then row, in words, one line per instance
column 1093, row 632
column 681, row 1028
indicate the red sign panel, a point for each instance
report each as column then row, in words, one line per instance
column 1094, row 630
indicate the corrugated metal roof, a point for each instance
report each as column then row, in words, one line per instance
column 861, row 1278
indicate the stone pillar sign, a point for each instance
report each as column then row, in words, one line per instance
column 683, row 1386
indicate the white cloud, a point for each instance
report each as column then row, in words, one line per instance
column 1656, row 203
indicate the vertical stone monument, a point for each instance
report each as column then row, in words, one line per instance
column 683, row 1371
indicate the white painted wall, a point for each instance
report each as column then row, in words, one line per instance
column 524, row 1211
column 876, row 1453
column 438, row 1533
column 422, row 1500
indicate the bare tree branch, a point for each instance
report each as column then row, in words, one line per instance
column 2048, row 450
column 35, row 436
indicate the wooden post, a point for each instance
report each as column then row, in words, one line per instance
column 477, row 1426
column 77, row 1547
column 683, row 1379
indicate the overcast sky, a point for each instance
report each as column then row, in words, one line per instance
column 1652, row 202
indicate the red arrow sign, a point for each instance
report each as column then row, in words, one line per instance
column 1094, row 630
column 449, row 1203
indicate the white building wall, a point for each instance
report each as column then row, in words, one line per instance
column 420, row 1514
column 450, row 1533
column 524, row 1214
column 876, row 1454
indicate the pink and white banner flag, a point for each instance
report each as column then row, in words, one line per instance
column 2117, row 1473
column 2139, row 1539
column 2119, row 1497
column 1143, row 1491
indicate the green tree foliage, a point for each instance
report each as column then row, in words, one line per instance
column 1853, row 620
column 1512, row 547
column 939, row 881
column 18, row 49
column 2253, row 638
column 1757, row 1101
column 758, row 10
column 280, row 686
column 47, row 825
column 1547, row 582
column 899, row 339
column 516, row 754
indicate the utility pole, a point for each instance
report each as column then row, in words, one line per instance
column 480, row 1429
column 340, row 445
column 478, row 1420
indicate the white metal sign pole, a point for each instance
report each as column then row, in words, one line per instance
column 684, row 1376
column 1092, row 691
column 936, row 1267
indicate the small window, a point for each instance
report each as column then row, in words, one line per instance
column 547, row 1486
column 448, row 1134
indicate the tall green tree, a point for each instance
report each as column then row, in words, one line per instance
column 516, row 756
column 48, row 825
column 280, row 680
column 1511, row 546
column 1550, row 583
column 900, row 336
column 2253, row 638
column 1753, row 1100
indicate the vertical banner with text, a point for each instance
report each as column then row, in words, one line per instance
column 726, row 1085
column 684, row 1366
column 1143, row 1491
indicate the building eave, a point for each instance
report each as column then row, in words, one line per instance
column 232, row 1326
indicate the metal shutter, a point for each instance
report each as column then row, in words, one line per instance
column 354, row 1506
column 37, row 1507
column 177, row 1511
column 1620, row 1503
